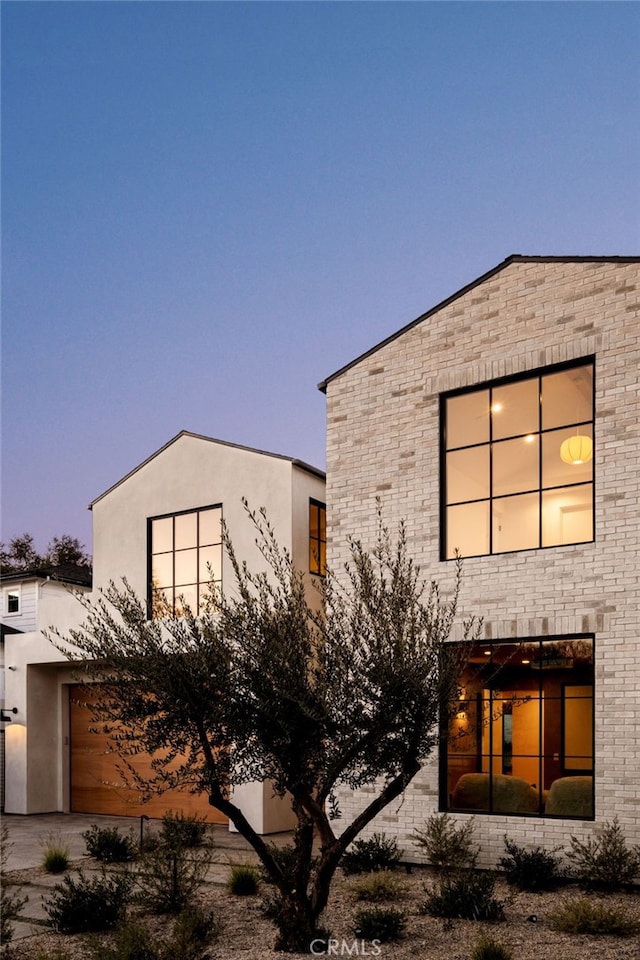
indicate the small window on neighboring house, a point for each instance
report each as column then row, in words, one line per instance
column 317, row 538
column 12, row 600
column 517, row 462
column 520, row 736
column 185, row 560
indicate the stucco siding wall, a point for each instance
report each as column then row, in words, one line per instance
column 190, row 473
column 33, row 737
column 383, row 441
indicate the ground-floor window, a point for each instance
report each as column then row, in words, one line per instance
column 520, row 736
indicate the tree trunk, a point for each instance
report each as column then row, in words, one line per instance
column 297, row 925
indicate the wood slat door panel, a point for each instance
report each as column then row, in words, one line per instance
column 96, row 785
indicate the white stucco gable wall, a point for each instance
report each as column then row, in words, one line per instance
column 189, row 473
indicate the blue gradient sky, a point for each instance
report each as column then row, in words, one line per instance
column 210, row 207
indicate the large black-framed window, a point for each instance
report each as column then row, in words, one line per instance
column 317, row 538
column 185, row 560
column 517, row 462
column 520, row 737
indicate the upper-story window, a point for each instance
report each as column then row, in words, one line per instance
column 11, row 600
column 317, row 538
column 185, row 560
column 518, row 462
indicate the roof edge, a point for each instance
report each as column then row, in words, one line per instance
column 300, row 464
column 52, row 574
column 513, row 258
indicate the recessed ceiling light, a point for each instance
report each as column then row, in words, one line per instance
column 496, row 407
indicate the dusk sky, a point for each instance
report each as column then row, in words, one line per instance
column 210, row 207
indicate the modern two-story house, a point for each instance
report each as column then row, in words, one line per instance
column 504, row 424
column 160, row 527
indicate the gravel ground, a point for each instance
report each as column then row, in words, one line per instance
column 248, row 935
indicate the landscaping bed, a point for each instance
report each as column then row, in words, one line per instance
column 246, row 934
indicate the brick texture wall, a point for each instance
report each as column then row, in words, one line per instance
column 383, row 441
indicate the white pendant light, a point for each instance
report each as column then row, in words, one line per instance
column 576, row 450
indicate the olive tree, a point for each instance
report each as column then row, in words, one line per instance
column 268, row 685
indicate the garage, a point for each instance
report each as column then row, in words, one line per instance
column 96, row 785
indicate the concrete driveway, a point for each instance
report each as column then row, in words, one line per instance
column 29, row 834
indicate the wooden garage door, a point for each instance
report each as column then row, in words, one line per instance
column 96, row 785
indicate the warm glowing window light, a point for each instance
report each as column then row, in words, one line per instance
column 576, row 450
column 506, row 485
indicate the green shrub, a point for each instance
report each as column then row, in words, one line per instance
column 379, row 852
column 169, row 877
column 533, row 869
column 593, row 917
column 605, row 862
column 243, row 880
column 466, row 895
column 150, row 841
column 378, row 887
column 447, row 844
column 55, row 858
column 182, row 830
column 11, row 901
column 81, row 905
column 55, row 861
column 379, row 924
column 108, row 845
column 192, row 931
column 487, row 948
column 132, row 941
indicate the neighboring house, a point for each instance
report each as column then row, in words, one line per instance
column 29, row 599
column 159, row 525
column 504, row 423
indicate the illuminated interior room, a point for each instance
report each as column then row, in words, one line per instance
column 525, row 712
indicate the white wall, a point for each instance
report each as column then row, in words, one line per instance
column 34, row 737
column 189, row 473
column 192, row 472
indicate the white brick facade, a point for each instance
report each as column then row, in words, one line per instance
column 383, row 441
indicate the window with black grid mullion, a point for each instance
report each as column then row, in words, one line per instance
column 517, row 462
column 186, row 560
